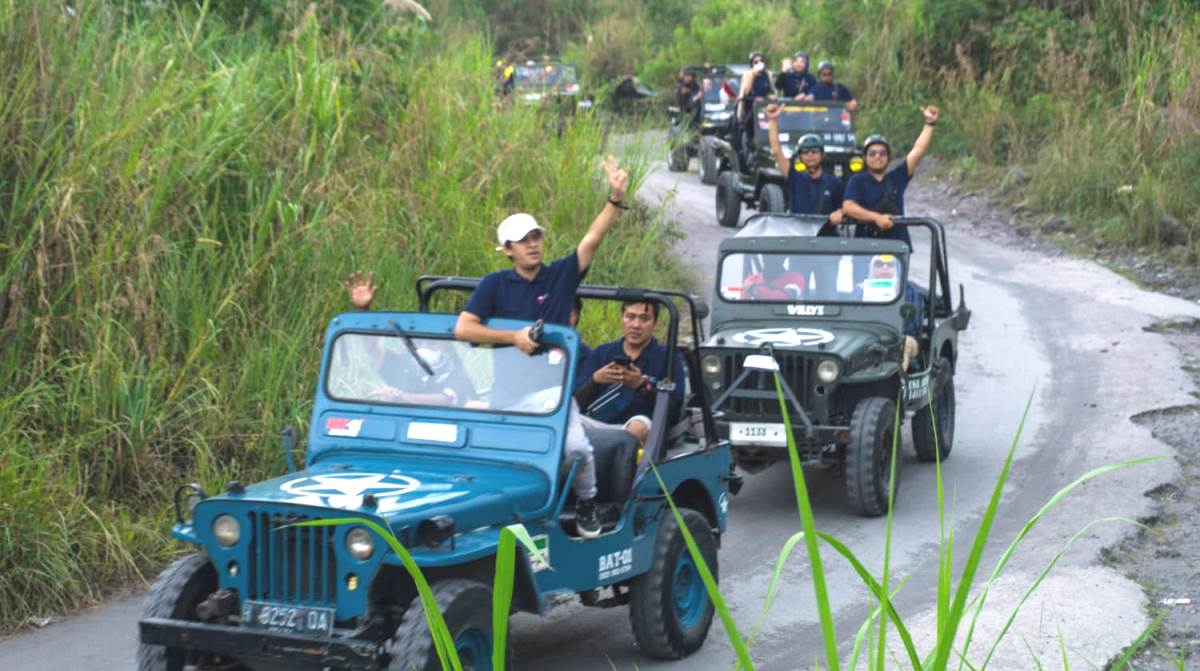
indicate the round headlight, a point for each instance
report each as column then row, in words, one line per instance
column 828, row 370
column 711, row 365
column 226, row 530
column 359, row 543
column 856, row 164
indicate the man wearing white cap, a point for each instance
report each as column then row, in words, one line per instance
column 531, row 290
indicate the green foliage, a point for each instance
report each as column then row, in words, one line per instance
column 180, row 198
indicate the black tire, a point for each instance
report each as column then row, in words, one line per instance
column 708, row 161
column 677, row 158
column 943, row 411
column 869, row 456
column 665, row 625
column 729, row 201
column 466, row 606
column 771, row 199
column 175, row 594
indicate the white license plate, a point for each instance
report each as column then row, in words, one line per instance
column 754, row 433
column 288, row 619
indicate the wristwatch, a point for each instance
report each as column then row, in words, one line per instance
column 617, row 204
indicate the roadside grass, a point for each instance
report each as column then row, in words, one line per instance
column 180, row 199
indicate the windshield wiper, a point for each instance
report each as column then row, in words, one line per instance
column 412, row 349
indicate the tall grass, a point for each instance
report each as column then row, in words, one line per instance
column 180, row 197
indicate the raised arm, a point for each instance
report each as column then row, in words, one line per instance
column 773, row 132
column 618, row 179
column 931, row 115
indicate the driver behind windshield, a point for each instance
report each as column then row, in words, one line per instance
column 887, row 267
column 774, row 282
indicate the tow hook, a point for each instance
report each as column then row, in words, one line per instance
column 218, row 605
column 734, row 480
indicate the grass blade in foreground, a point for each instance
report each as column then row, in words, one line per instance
column 809, row 527
column 442, row 640
column 502, row 588
column 948, row 628
column 1012, row 547
column 882, row 593
column 877, row 591
column 710, row 585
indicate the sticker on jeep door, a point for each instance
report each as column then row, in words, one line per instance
column 613, row 564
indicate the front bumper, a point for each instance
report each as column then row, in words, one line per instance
column 262, row 646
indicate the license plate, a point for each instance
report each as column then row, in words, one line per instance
column 288, row 619
column 753, row 433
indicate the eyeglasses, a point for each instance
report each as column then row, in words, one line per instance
column 810, row 151
column 877, row 152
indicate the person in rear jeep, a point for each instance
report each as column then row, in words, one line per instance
column 531, row 290
column 876, row 194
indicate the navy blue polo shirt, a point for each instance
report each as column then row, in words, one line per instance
column 869, row 193
column 834, row 91
column 653, row 364
column 760, row 87
column 549, row 296
column 812, row 196
column 792, row 84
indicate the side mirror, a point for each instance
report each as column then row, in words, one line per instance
column 700, row 308
column 290, row 438
column 962, row 316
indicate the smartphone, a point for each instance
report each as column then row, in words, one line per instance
column 622, row 361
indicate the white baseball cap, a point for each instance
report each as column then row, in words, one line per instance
column 515, row 227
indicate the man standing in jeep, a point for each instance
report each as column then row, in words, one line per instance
column 794, row 80
column 756, row 83
column 810, row 189
column 531, row 290
column 876, row 195
column 828, row 89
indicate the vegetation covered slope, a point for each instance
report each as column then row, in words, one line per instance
column 1098, row 100
column 181, row 194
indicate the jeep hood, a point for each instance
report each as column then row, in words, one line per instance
column 842, row 339
column 407, row 490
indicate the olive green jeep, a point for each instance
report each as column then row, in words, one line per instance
column 833, row 316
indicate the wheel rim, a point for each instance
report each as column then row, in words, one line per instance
column 687, row 591
column 474, row 648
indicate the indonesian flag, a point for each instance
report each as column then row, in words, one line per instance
column 343, row 426
column 727, row 92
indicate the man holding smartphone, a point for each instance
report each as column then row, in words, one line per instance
column 619, row 379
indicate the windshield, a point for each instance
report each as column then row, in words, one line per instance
column 812, row 278
column 809, row 117
column 442, row 372
column 543, row 76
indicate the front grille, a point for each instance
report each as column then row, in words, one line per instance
column 292, row 564
column 796, row 369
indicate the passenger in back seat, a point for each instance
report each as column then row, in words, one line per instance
column 617, row 383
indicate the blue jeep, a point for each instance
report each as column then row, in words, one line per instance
column 430, row 437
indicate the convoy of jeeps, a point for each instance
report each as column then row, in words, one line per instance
column 463, row 457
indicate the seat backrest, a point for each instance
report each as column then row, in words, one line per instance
column 615, row 452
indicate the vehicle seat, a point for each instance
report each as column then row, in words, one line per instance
column 615, row 452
